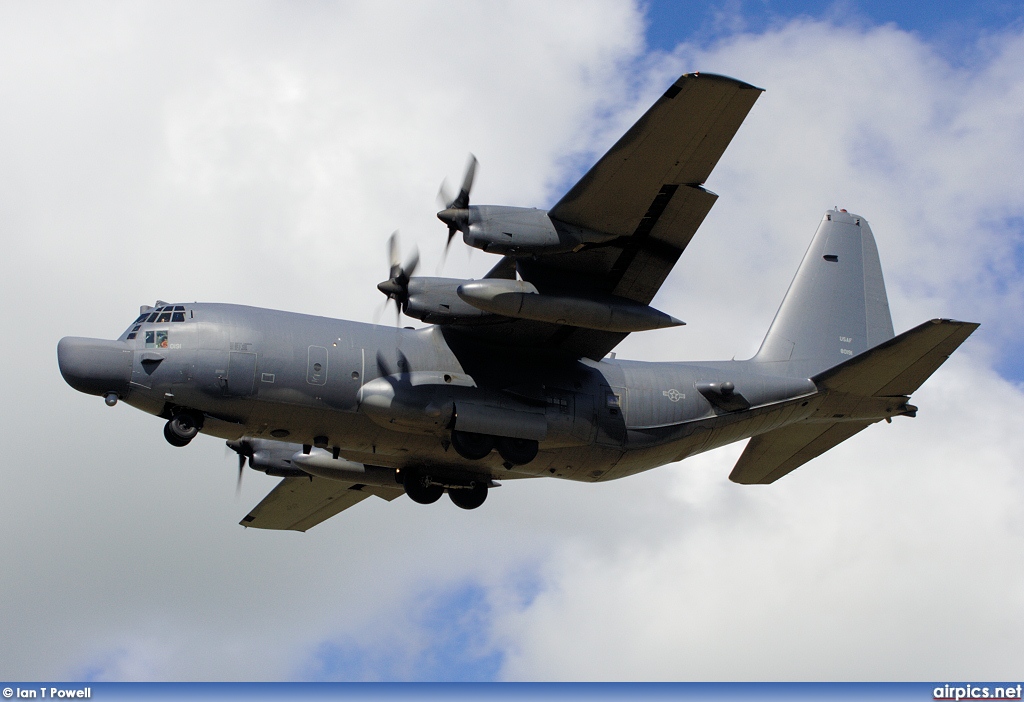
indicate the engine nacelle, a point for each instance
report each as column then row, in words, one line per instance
column 428, row 402
column 436, row 301
column 520, row 231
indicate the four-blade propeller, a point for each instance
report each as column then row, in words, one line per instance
column 245, row 450
column 456, row 209
column 396, row 287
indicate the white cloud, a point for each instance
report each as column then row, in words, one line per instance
column 891, row 556
column 261, row 155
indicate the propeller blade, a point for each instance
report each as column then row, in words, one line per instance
column 241, row 469
column 413, row 262
column 396, row 287
column 382, row 363
column 393, row 261
column 245, row 450
column 456, row 209
column 444, row 195
column 461, row 200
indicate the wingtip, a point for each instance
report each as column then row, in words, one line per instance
column 700, row 75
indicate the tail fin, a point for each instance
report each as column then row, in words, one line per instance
column 836, row 306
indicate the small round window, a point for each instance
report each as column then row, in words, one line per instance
column 317, row 368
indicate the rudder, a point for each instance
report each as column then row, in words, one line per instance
column 836, row 306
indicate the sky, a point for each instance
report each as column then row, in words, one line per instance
column 261, row 153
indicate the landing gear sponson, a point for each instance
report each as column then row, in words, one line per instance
column 474, row 447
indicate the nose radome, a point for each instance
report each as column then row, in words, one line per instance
column 95, row 366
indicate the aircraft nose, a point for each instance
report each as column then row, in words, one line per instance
column 95, row 366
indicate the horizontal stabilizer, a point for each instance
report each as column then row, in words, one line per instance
column 900, row 365
column 770, row 456
column 894, row 368
column 298, row 504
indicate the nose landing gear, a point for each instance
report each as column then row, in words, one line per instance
column 183, row 427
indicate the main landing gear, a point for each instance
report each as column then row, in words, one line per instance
column 422, row 489
column 473, row 447
column 183, row 427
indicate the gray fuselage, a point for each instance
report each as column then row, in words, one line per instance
column 302, row 379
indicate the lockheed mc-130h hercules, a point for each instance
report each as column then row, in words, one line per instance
column 511, row 376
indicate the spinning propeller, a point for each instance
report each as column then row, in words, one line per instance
column 245, row 450
column 456, row 209
column 397, row 286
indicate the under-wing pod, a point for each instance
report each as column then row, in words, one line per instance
column 521, row 300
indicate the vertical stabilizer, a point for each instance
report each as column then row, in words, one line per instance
column 836, row 306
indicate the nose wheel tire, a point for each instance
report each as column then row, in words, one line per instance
column 518, row 452
column 469, row 498
column 182, row 428
column 419, row 489
column 472, row 446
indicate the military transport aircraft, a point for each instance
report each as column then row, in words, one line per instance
column 512, row 376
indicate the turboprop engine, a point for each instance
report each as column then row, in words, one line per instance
column 429, row 402
column 516, row 231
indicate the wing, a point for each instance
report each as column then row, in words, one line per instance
column 299, row 504
column 647, row 192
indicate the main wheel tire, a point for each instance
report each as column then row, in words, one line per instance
column 469, row 498
column 172, row 438
column 472, row 446
column 518, row 452
column 183, row 426
column 419, row 490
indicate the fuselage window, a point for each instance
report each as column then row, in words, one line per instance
column 131, row 336
column 156, row 339
column 179, row 308
column 151, row 318
column 142, row 318
column 178, row 317
column 164, row 317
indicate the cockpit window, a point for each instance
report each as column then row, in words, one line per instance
column 158, row 315
column 156, row 339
